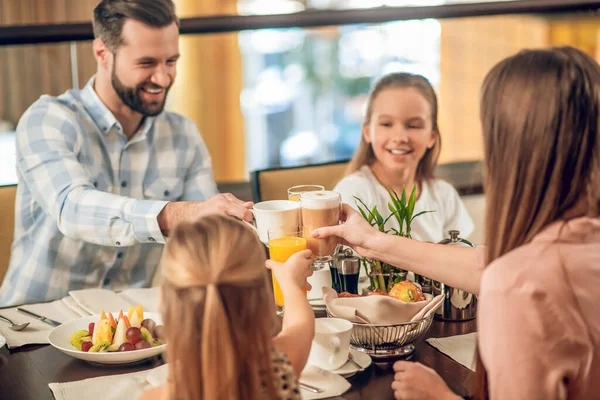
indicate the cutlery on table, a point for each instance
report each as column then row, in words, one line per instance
column 14, row 326
column 310, row 388
column 357, row 365
column 41, row 318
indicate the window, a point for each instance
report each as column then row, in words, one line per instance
column 304, row 90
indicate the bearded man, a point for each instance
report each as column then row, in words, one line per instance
column 104, row 172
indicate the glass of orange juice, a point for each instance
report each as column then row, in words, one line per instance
column 282, row 244
column 295, row 191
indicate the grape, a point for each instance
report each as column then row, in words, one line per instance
column 91, row 328
column 142, row 344
column 133, row 335
column 86, row 346
column 159, row 333
column 126, row 347
column 150, row 325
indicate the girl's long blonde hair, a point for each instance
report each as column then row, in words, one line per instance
column 364, row 154
column 218, row 312
column 540, row 117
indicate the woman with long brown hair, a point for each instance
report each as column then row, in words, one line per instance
column 219, row 316
column 537, row 322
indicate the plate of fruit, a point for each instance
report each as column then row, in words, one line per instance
column 111, row 338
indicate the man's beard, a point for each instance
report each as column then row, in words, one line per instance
column 132, row 97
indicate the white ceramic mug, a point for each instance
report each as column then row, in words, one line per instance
column 317, row 280
column 279, row 215
column 331, row 343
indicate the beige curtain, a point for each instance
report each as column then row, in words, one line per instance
column 470, row 47
column 208, row 87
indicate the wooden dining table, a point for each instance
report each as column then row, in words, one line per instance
column 26, row 372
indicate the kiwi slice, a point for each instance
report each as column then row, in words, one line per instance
column 99, row 347
column 78, row 337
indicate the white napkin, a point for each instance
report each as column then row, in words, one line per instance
column 37, row 331
column 117, row 387
column 94, row 300
column 147, row 298
column 378, row 309
column 460, row 348
column 69, row 302
column 332, row 384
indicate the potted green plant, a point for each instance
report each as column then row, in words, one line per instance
column 382, row 275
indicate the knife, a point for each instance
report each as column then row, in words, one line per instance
column 43, row 319
column 310, row 388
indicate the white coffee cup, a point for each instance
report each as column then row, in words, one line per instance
column 276, row 215
column 331, row 343
column 317, row 280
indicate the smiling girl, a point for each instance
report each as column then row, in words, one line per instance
column 399, row 147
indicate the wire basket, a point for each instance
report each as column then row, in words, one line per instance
column 387, row 341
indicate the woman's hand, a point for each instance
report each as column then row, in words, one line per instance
column 294, row 271
column 414, row 381
column 354, row 232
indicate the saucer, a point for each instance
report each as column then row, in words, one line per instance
column 317, row 303
column 349, row 369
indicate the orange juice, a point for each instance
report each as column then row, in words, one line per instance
column 280, row 250
column 294, row 197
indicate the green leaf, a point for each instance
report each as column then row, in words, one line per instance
column 371, row 216
column 411, row 203
column 362, row 212
column 403, row 198
column 378, row 216
column 421, row 213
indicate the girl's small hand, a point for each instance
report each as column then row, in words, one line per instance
column 294, row 271
column 414, row 381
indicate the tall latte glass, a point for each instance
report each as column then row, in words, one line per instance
column 295, row 192
column 319, row 209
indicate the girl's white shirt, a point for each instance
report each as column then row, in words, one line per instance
column 436, row 195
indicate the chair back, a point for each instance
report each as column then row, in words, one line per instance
column 272, row 184
column 7, row 225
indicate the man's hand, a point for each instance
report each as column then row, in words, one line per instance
column 414, row 381
column 227, row 203
column 190, row 211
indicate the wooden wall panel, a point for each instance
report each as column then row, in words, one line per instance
column 27, row 72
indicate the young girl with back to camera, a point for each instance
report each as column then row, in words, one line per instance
column 219, row 316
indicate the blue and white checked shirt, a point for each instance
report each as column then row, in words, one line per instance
column 88, row 198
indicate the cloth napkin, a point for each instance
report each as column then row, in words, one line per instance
column 94, row 300
column 332, row 384
column 460, row 348
column 378, row 309
column 115, row 387
column 69, row 302
column 37, row 331
column 148, row 298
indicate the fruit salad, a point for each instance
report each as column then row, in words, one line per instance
column 126, row 333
